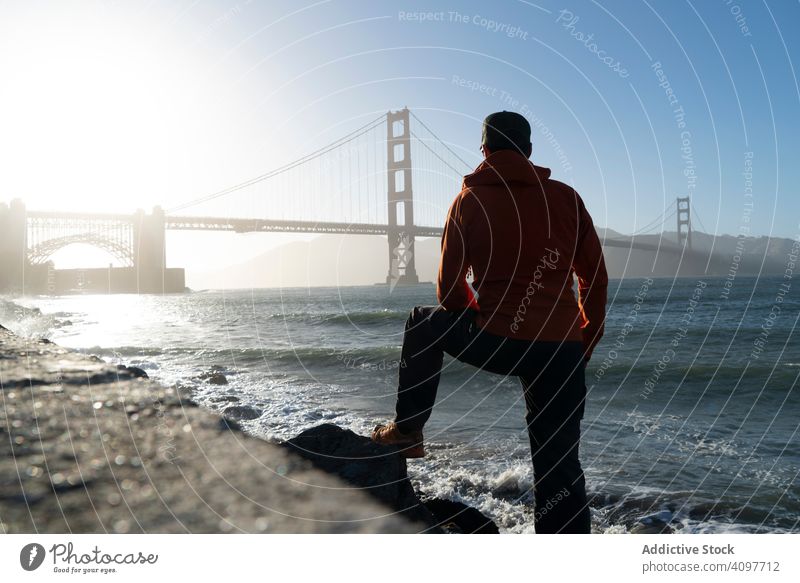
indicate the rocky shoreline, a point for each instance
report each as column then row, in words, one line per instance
column 86, row 446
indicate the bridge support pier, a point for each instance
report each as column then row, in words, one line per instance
column 402, row 268
column 150, row 251
column 13, row 246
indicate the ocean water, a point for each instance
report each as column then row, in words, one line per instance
column 693, row 405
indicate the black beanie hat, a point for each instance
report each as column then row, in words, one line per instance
column 506, row 130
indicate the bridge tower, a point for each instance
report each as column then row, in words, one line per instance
column 402, row 269
column 684, row 222
column 13, row 245
column 150, row 250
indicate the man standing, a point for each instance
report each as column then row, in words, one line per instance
column 524, row 236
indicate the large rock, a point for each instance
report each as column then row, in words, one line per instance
column 458, row 518
column 84, row 449
column 213, row 377
column 132, row 371
column 377, row 469
column 241, row 413
column 382, row 472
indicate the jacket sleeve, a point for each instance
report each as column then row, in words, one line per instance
column 452, row 289
column 590, row 267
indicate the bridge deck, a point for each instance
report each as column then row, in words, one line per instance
column 244, row 225
column 256, row 225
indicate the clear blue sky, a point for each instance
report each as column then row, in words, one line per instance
column 135, row 104
column 730, row 66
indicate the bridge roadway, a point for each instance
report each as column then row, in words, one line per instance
column 255, row 225
column 245, row 225
column 265, row 225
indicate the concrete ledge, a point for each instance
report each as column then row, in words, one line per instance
column 85, row 447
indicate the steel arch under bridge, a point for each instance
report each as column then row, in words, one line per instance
column 50, row 232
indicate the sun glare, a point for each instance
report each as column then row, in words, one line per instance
column 99, row 112
column 109, row 108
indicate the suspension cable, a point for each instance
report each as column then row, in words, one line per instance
column 280, row 170
column 659, row 220
column 422, row 123
column 432, row 151
column 696, row 214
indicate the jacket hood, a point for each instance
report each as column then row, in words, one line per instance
column 506, row 167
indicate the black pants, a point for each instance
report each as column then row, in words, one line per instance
column 552, row 376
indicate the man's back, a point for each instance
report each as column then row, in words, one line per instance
column 523, row 235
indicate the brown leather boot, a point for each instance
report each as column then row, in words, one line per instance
column 389, row 434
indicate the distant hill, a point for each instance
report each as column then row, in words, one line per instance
column 327, row 260
column 710, row 255
column 331, row 260
column 774, row 248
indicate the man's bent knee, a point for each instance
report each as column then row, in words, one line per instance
column 418, row 315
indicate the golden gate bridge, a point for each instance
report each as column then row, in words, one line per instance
column 388, row 177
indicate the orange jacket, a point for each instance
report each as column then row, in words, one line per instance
column 524, row 235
